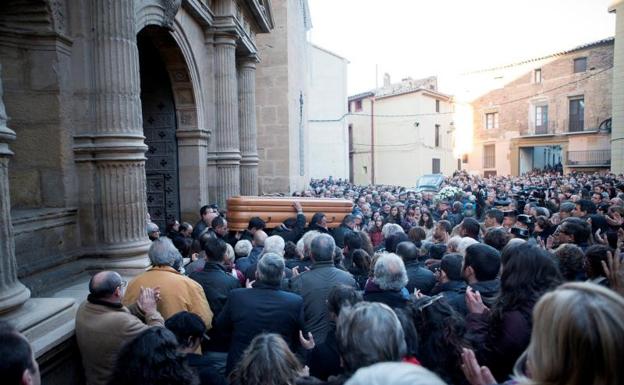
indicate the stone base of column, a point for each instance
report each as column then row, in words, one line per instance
column 46, row 322
column 13, row 296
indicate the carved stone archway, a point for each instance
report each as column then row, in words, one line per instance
column 192, row 141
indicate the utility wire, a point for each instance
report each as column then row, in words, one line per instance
column 461, row 103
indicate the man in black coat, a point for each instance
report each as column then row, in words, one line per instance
column 292, row 229
column 347, row 226
column 315, row 284
column 217, row 284
column 450, row 282
column 418, row 277
column 262, row 309
column 207, row 214
column 255, row 224
column 482, row 264
column 214, row 279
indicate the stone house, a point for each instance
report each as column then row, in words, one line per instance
column 553, row 111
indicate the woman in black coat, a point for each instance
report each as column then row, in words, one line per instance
column 502, row 333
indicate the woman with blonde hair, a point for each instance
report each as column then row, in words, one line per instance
column 577, row 339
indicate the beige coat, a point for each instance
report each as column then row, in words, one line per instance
column 177, row 293
column 101, row 331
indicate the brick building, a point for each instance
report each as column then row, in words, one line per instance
column 553, row 111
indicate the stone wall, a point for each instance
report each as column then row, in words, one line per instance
column 281, row 87
column 516, row 99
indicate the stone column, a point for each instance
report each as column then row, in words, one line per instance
column 12, row 292
column 116, row 146
column 248, row 130
column 617, row 123
column 228, row 155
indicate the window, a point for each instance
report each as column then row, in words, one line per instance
column 577, row 114
column 435, row 166
column 358, row 105
column 580, row 64
column 541, row 119
column 437, row 105
column 491, row 120
column 537, row 75
column 437, row 135
column 489, row 156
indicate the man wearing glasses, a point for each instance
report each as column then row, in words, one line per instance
column 104, row 325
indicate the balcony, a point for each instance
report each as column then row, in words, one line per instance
column 547, row 128
column 574, row 126
column 591, row 158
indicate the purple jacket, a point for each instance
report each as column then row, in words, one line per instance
column 499, row 346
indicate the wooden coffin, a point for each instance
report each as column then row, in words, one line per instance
column 275, row 210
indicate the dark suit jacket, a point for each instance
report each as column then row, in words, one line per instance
column 262, row 309
column 419, row 278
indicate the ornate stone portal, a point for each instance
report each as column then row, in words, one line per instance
column 73, row 77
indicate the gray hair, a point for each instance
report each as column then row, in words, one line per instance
column 104, row 283
column 322, row 248
column 305, row 243
column 274, row 244
column 395, row 373
column 391, row 228
column 162, row 252
column 453, row 243
column 229, row 252
column 243, row 248
column 270, row 269
column 385, row 340
column 390, row 273
column 567, row 207
column 464, row 244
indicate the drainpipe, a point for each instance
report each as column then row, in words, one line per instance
column 373, row 140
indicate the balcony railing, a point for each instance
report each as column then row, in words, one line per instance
column 546, row 128
column 590, row 158
column 589, row 124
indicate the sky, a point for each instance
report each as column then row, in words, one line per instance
column 420, row 38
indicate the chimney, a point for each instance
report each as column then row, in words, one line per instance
column 387, row 82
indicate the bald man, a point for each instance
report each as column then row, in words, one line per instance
column 104, row 325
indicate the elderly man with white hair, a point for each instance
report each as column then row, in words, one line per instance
column 274, row 244
column 389, row 281
column 177, row 292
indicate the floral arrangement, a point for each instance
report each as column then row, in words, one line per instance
column 449, row 193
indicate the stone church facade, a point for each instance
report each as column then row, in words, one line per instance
column 110, row 110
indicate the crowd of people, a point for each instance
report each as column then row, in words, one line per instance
column 499, row 280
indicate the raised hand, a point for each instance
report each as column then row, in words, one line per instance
column 475, row 374
column 615, row 219
column 474, row 303
column 614, row 270
column 308, row 344
column 147, row 300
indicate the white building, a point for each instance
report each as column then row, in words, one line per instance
column 400, row 132
column 328, row 140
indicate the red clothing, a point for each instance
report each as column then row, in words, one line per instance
column 376, row 237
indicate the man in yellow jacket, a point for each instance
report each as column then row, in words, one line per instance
column 177, row 292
